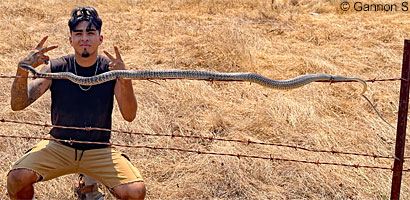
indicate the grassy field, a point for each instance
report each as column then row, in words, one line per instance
column 279, row 39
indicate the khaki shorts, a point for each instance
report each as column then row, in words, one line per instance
column 51, row 159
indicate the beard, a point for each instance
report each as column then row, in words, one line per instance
column 85, row 54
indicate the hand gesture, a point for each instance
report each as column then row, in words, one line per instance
column 116, row 63
column 37, row 56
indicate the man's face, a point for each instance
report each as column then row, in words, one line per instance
column 85, row 41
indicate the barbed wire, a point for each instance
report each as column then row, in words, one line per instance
column 331, row 81
column 212, row 138
column 367, row 80
column 389, row 79
column 239, row 156
column 201, row 137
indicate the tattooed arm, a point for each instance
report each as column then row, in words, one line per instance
column 23, row 94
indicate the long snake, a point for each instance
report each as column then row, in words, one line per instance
column 201, row 75
column 195, row 75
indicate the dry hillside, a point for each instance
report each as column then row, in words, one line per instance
column 279, row 39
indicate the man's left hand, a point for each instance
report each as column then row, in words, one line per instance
column 116, row 63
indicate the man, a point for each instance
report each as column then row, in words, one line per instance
column 80, row 106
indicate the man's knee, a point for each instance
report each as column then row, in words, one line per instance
column 21, row 178
column 135, row 190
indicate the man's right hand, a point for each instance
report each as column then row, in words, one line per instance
column 37, row 56
column 23, row 94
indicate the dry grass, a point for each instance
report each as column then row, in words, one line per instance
column 280, row 40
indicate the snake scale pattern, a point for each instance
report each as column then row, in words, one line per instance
column 194, row 75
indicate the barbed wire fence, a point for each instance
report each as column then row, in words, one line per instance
column 239, row 156
column 202, row 137
column 398, row 158
column 249, row 142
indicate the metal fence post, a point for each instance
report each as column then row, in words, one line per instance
column 401, row 123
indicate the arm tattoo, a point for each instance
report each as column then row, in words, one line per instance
column 19, row 93
column 36, row 89
column 35, row 92
column 23, row 93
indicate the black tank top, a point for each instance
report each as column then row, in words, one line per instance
column 71, row 106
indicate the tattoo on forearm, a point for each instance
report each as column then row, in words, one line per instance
column 23, row 94
column 35, row 92
column 19, row 86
